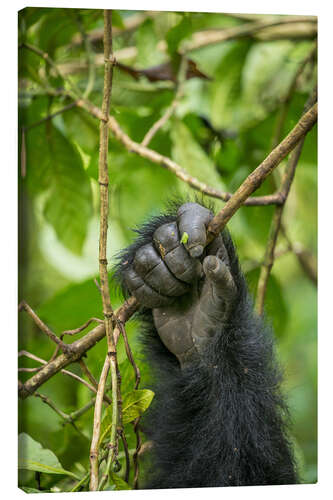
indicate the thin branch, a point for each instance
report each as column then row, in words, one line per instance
column 204, row 38
column 267, row 17
column 136, row 453
column 69, row 106
column 306, row 259
column 256, row 178
column 251, row 265
column 79, row 348
column 127, row 457
column 82, row 327
column 81, row 411
column 130, row 356
column 67, row 418
column 283, row 109
column 64, row 372
column 43, row 327
column 277, row 217
column 52, row 405
column 170, row 110
column 97, row 426
column 88, row 373
column 111, row 358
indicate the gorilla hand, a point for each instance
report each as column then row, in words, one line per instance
column 189, row 288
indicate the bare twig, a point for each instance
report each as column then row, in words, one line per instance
column 52, row 405
column 204, row 38
column 79, row 347
column 49, row 117
column 43, row 327
column 276, row 220
column 256, row 178
column 111, row 358
column 306, row 259
column 170, row 110
column 82, row 327
column 137, row 451
column 81, row 411
column 64, row 372
column 88, row 373
column 283, row 109
column 97, row 426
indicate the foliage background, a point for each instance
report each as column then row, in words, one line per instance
column 58, row 196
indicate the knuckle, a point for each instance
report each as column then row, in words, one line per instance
column 132, row 280
column 166, row 238
column 146, row 259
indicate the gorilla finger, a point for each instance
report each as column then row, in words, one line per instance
column 177, row 259
column 193, row 220
column 145, row 295
column 149, row 265
column 223, row 285
column 217, row 248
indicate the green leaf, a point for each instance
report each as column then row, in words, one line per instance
column 275, row 303
column 119, row 482
column 54, row 164
column 56, row 29
column 135, row 403
column 146, row 42
column 184, row 238
column 32, row 456
column 227, row 86
column 117, row 20
column 82, row 128
column 178, row 33
column 26, row 489
column 190, row 155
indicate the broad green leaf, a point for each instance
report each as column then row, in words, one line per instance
column 178, row 33
column 117, row 20
column 119, row 482
column 29, row 65
column 227, row 87
column 146, row 43
column 136, row 403
column 32, row 456
column 30, row 15
column 53, row 163
column 275, row 304
column 56, row 29
column 189, row 154
column 82, row 128
column 26, row 489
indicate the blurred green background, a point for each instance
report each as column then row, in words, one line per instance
column 223, row 127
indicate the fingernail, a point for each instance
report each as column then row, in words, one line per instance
column 196, row 251
column 211, row 264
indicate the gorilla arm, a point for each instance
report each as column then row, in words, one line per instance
column 218, row 417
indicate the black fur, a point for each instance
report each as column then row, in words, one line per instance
column 223, row 421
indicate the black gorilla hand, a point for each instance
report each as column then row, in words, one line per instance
column 190, row 289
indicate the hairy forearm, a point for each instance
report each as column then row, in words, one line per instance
column 220, row 421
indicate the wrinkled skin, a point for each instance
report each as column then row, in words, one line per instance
column 189, row 287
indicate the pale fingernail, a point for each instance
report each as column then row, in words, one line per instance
column 196, row 251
